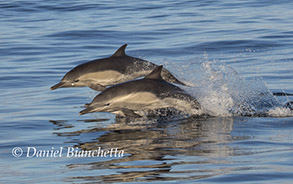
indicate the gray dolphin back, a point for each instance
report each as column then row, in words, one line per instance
column 124, row 66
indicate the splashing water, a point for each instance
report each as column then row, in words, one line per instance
column 222, row 92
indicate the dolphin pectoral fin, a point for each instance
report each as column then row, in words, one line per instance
column 128, row 112
column 97, row 87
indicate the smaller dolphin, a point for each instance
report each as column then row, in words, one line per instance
column 98, row 74
column 149, row 93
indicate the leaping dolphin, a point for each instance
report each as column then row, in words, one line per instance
column 149, row 93
column 98, row 74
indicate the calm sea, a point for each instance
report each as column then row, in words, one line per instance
column 234, row 52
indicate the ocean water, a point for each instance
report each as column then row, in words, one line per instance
column 235, row 53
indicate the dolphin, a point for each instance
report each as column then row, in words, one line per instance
column 100, row 73
column 148, row 94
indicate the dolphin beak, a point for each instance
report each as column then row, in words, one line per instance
column 85, row 111
column 91, row 109
column 59, row 85
column 86, row 105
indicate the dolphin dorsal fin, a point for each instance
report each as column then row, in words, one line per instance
column 156, row 73
column 120, row 51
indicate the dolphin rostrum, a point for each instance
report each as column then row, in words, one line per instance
column 119, row 67
column 150, row 93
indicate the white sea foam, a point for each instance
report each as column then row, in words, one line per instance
column 280, row 112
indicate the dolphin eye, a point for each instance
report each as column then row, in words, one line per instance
column 72, row 84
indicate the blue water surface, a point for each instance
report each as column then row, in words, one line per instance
column 235, row 52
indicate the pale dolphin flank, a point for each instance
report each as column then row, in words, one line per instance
column 98, row 74
column 149, row 93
